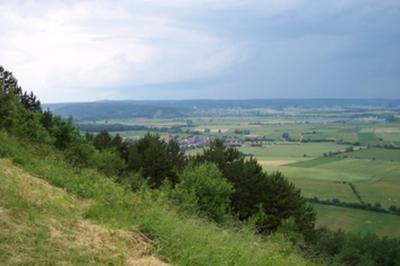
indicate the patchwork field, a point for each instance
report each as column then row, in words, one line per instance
column 375, row 181
column 292, row 151
column 376, row 154
column 357, row 221
column 321, row 151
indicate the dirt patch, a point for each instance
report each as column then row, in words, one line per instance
column 274, row 162
column 86, row 203
column 217, row 130
column 103, row 242
column 350, row 130
column 148, row 261
column 137, row 249
column 387, row 130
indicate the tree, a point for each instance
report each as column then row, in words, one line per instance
column 255, row 190
column 9, row 110
column 79, row 154
column 64, row 132
column 285, row 136
column 8, row 83
column 121, row 146
column 109, row 162
column 102, row 140
column 47, row 119
column 30, row 102
column 205, row 187
column 219, row 154
column 175, row 159
column 156, row 159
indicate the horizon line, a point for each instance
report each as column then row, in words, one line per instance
column 220, row 99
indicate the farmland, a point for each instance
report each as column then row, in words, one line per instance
column 358, row 221
column 330, row 152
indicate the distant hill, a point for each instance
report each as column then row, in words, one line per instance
column 101, row 110
column 114, row 109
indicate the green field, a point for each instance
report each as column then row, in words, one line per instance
column 366, row 137
column 305, row 159
column 357, row 221
column 376, row 153
column 376, row 181
column 292, row 150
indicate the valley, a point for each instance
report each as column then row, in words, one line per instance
column 324, row 148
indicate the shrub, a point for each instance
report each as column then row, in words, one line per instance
column 79, row 154
column 134, row 181
column 205, row 188
column 109, row 162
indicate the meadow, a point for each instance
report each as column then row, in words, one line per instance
column 357, row 221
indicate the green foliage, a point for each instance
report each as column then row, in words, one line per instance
column 102, row 140
column 20, row 112
column 79, row 154
column 9, row 110
column 109, row 162
column 341, row 248
column 156, row 159
column 219, row 154
column 253, row 188
column 205, row 187
column 133, row 181
column 64, row 132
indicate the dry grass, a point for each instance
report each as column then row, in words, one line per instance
column 274, row 162
column 387, row 130
column 41, row 224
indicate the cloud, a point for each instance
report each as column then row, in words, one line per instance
column 89, row 50
column 87, row 46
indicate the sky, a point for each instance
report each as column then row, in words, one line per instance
column 189, row 49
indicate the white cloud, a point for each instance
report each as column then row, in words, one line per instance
column 81, row 48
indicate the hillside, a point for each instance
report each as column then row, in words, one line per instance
column 98, row 222
column 41, row 224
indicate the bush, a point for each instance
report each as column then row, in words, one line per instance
column 134, row 181
column 79, row 154
column 204, row 187
column 109, row 162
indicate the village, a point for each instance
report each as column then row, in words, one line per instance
column 201, row 141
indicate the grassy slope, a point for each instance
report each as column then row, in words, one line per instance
column 43, row 225
column 177, row 238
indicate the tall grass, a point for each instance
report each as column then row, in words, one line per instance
column 179, row 238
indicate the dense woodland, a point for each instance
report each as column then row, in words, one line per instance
column 220, row 183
